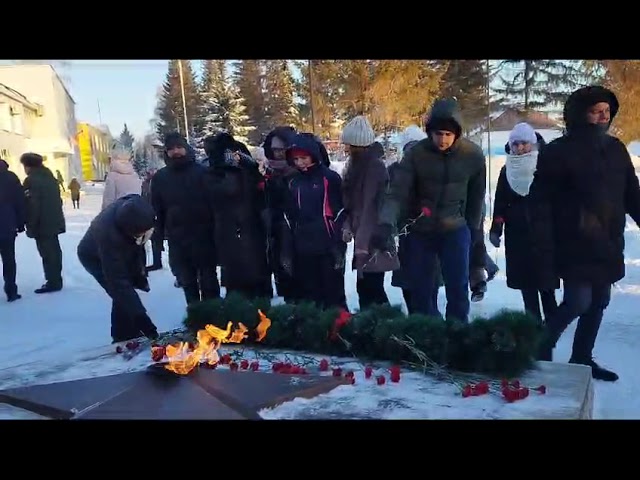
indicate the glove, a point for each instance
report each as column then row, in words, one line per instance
column 380, row 238
column 494, row 238
column 347, row 235
column 20, row 229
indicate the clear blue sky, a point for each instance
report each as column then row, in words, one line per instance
column 125, row 89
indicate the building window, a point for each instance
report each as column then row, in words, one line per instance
column 5, row 117
column 29, row 118
column 17, row 122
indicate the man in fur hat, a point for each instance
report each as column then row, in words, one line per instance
column 45, row 218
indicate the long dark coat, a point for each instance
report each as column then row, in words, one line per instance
column 584, row 187
column 526, row 266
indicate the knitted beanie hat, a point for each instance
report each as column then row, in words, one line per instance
column 522, row 132
column 358, row 132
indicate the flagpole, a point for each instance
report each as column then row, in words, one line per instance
column 99, row 113
column 184, row 101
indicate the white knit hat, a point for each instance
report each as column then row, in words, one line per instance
column 412, row 133
column 522, row 132
column 358, row 132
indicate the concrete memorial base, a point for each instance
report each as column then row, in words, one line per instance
column 221, row 394
column 417, row 396
column 574, row 385
column 155, row 394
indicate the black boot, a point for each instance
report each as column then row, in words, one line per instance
column 13, row 297
column 47, row 288
column 597, row 372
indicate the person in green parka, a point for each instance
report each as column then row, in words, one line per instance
column 45, row 218
column 400, row 278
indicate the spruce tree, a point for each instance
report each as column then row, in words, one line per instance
column 126, row 138
column 279, row 91
column 327, row 84
column 170, row 111
column 237, row 121
column 223, row 107
column 536, row 84
column 466, row 81
column 141, row 161
column 623, row 78
column 390, row 93
column 248, row 79
column 213, row 91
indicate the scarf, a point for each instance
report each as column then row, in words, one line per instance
column 520, row 170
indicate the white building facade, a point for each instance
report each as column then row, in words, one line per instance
column 51, row 130
column 17, row 117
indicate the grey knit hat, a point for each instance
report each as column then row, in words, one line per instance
column 358, row 132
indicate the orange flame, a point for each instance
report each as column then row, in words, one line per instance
column 182, row 360
column 263, row 326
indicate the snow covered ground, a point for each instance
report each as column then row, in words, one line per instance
column 41, row 332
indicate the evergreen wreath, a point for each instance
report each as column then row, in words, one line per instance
column 504, row 344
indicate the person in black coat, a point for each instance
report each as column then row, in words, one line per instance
column 235, row 189
column 278, row 172
column 526, row 271
column 112, row 252
column 584, row 186
column 12, row 221
column 185, row 219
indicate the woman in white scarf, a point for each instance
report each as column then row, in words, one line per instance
column 522, row 158
column 511, row 212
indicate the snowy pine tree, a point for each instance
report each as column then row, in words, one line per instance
column 238, row 121
column 223, row 107
column 279, row 97
column 126, row 138
column 537, row 84
column 170, row 111
column 213, row 91
column 141, row 163
column 147, row 156
column 248, row 79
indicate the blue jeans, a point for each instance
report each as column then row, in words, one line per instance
column 452, row 248
column 587, row 303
